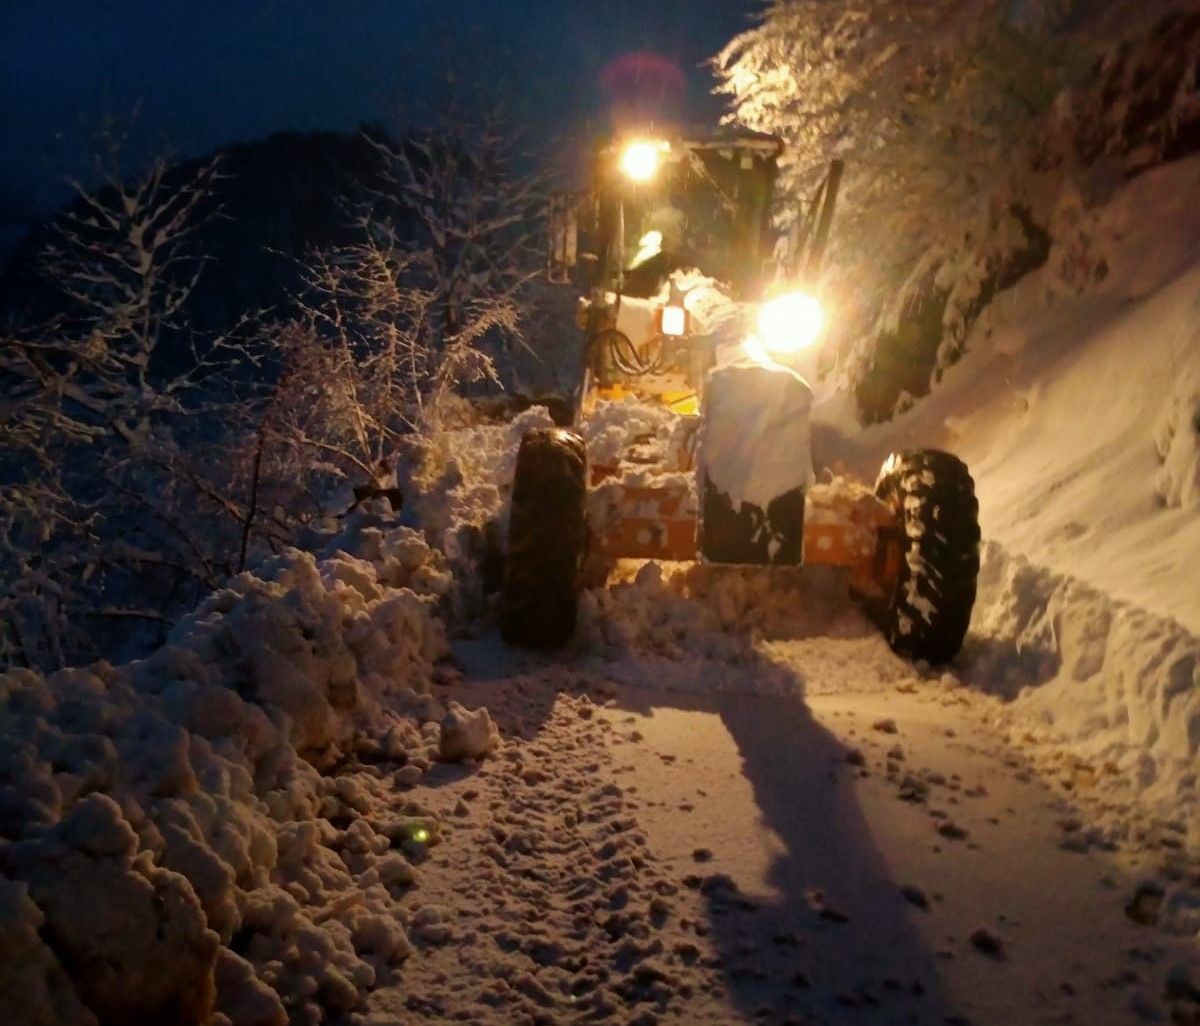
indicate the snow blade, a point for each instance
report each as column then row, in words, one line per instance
column 937, row 514
column 547, row 540
column 750, row 535
column 754, row 460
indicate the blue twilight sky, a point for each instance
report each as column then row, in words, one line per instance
column 208, row 72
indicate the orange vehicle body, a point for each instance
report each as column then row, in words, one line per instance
column 847, row 528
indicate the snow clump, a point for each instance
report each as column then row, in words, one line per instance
column 617, row 430
column 462, row 478
column 466, row 734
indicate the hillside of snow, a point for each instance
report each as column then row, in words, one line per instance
column 1077, row 408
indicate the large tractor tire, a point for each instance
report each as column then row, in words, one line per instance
column 547, row 540
column 927, row 613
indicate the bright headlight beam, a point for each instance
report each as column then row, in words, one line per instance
column 640, row 159
column 790, row 322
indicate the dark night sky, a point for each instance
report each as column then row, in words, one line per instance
column 208, row 73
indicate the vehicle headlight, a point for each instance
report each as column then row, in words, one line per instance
column 790, row 322
column 640, row 158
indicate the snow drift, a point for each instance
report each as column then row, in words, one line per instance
column 169, row 848
column 1113, row 684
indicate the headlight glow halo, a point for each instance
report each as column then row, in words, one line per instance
column 790, row 322
column 640, row 158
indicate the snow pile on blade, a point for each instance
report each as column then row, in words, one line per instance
column 628, row 427
column 169, row 848
column 461, row 480
column 463, row 477
column 699, row 628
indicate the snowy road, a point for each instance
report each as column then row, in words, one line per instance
column 861, row 848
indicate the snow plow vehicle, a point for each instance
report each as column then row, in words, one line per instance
column 690, row 304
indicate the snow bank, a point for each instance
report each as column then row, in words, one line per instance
column 1115, row 685
column 169, row 848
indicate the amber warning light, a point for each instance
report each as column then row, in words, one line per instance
column 673, row 320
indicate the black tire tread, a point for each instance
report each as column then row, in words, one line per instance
column 547, row 540
column 934, row 497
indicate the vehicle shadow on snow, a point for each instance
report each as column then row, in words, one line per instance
column 835, row 940
column 836, row 894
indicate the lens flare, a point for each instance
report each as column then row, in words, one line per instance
column 752, row 346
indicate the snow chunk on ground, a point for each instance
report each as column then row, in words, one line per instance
column 466, row 734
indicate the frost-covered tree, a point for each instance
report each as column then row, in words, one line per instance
column 929, row 102
column 142, row 463
column 429, row 299
column 466, row 206
column 113, row 414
